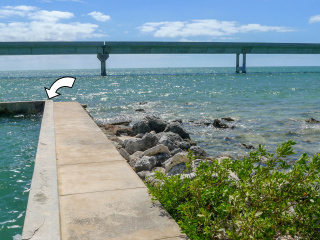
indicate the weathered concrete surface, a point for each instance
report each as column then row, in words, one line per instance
column 101, row 197
column 28, row 107
column 42, row 216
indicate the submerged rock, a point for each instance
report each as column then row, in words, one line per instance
column 229, row 119
column 218, row 124
column 312, row 120
column 247, row 146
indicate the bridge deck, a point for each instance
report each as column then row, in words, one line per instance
column 78, row 47
column 100, row 196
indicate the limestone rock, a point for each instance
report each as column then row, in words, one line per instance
column 149, row 140
column 177, row 169
column 135, row 158
column 161, row 158
column 146, row 163
column 175, row 151
column 177, row 128
column 124, row 154
column 166, row 142
column 158, row 149
column 175, row 160
column 143, row 174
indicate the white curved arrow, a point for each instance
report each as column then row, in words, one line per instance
column 59, row 83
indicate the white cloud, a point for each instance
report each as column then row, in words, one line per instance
column 205, row 27
column 314, row 19
column 50, row 16
column 99, row 16
column 42, row 25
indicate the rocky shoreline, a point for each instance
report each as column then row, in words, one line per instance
column 153, row 144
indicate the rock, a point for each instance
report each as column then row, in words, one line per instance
column 229, row 119
column 177, row 120
column 124, row 154
column 312, row 120
column 177, row 169
column 140, row 110
column 125, row 123
column 135, row 158
column 175, row 151
column 173, row 137
column 124, row 131
column 133, row 145
column 177, row 128
column 188, row 175
column 218, row 124
column 198, row 151
column 150, row 178
column 158, row 149
column 143, row 174
column 161, row 158
column 143, row 103
column 146, row 163
column 166, row 142
column 246, row 146
column 175, row 160
column 158, row 169
column 183, row 145
column 196, row 163
column 139, row 135
column 155, row 123
column 149, row 140
column 140, row 127
column 192, row 143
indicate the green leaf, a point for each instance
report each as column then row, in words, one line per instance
column 258, row 213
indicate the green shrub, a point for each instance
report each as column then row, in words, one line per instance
column 270, row 199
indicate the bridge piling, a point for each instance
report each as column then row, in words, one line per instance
column 244, row 63
column 103, row 58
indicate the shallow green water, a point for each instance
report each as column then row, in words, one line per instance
column 18, row 143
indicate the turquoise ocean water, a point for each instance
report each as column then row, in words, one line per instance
column 270, row 105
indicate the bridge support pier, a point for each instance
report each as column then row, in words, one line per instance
column 244, row 63
column 103, row 57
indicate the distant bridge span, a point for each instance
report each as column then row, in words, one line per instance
column 103, row 49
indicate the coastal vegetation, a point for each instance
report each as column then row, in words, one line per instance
column 259, row 197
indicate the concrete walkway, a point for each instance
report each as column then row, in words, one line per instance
column 100, row 196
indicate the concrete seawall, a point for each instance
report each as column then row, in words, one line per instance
column 30, row 107
column 83, row 189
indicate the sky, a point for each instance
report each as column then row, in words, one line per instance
column 294, row 21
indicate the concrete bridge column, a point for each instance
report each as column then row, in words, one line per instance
column 103, row 57
column 244, row 63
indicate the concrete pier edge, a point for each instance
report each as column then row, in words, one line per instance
column 42, row 219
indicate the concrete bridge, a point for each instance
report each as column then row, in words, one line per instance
column 103, row 49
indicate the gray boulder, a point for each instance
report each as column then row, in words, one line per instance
column 175, row 151
column 149, row 140
column 155, row 123
column 146, row 163
column 143, row 174
column 178, row 129
column 158, row 149
column 164, row 140
column 183, row 145
column 124, row 154
column 198, row 151
column 161, row 158
column 140, row 127
column 177, row 169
